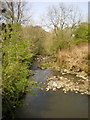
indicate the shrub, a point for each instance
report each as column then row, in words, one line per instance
column 81, row 34
column 16, row 57
column 62, row 40
column 75, row 59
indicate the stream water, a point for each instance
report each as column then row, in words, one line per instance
column 52, row 104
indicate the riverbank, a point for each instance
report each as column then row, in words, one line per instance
column 43, row 104
column 74, row 62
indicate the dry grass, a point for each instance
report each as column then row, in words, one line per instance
column 75, row 59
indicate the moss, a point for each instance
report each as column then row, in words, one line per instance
column 45, row 65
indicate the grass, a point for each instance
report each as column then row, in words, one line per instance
column 44, row 65
column 47, row 65
column 79, row 41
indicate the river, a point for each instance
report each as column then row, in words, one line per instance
column 52, row 104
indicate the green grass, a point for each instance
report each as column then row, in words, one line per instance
column 46, row 65
column 78, row 41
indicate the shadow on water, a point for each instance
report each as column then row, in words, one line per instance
column 52, row 104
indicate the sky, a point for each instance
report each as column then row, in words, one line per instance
column 38, row 9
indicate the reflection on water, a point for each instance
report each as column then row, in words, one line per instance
column 52, row 104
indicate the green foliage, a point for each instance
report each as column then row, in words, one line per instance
column 81, row 33
column 46, row 65
column 61, row 40
column 17, row 54
column 38, row 36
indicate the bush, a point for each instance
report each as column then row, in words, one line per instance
column 38, row 37
column 62, row 40
column 81, row 34
column 16, row 57
column 75, row 59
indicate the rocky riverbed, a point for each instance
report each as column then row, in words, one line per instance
column 59, row 82
column 56, row 82
column 82, row 85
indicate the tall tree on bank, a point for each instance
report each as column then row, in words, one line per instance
column 17, row 56
column 62, row 16
column 15, row 12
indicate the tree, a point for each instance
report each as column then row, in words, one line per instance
column 38, row 37
column 62, row 16
column 17, row 55
column 81, row 33
column 15, row 12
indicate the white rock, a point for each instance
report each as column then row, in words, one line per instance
column 65, row 70
column 63, row 73
column 64, row 91
column 71, row 89
column 54, row 89
column 48, row 83
column 54, row 76
column 47, row 89
column 61, row 77
column 58, row 87
column 55, row 84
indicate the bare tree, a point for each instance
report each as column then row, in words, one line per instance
column 75, row 17
column 15, row 12
column 62, row 16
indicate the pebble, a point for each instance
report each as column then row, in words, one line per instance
column 64, row 91
column 54, row 89
column 63, row 73
column 47, row 89
column 58, row 87
column 61, row 77
column 55, row 83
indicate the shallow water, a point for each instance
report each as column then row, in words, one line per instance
column 52, row 104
